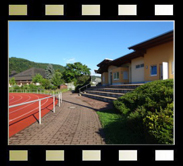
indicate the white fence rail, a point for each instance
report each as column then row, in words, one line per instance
column 59, row 95
column 38, row 91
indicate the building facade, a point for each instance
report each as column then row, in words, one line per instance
column 25, row 77
column 150, row 60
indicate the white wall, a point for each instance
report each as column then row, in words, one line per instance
column 70, row 86
column 137, row 74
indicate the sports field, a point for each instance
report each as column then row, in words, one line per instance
column 22, row 116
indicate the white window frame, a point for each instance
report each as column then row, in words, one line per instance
column 115, row 76
column 156, row 70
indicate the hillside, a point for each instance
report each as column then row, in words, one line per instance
column 19, row 65
column 93, row 77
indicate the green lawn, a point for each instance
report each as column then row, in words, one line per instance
column 117, row 130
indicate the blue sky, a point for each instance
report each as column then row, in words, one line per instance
column 87, row 42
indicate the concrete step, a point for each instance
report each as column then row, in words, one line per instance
column 109, row 93
column 115, row 90
column 103, row 93
column 123, row 86
column 99, row 97
column 126, row 86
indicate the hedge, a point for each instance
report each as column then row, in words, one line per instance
column 149, row 109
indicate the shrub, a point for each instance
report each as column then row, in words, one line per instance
column 16, row 87
column 35, row 87
column 160, row 124
column 12, row 81
column 149, row 108
column 46, row 83
column 25, row 87
column 37, row 78
column 151, row 96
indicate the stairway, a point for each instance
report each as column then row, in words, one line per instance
column 109, row 93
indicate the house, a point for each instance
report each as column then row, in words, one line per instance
column 25, row 77
column 12, row 73
column 95, row 80
column 63, row 86
column 150, row 60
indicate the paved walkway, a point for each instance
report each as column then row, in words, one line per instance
column 74, row 123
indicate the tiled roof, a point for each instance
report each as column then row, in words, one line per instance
column 28, row 74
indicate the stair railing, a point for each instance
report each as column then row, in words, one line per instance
column 83, row 87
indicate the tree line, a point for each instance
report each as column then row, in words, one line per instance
column 20, row 64
column 77, row 73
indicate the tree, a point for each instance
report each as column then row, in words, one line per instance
column 56, row 79
column 83, row 79
column 45, row 83
column 12, row 81
column 37, row 78
column 73, row 71
column 49, row 72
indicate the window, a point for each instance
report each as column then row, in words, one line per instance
column 153, row 70
column 125, row 75
column 139, row 66
column 103, row 78
column 116, row 76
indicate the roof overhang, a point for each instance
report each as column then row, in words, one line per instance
column 104, row 62
column 127, row 58
column 154, row 41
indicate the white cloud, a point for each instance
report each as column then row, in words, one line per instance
column 70, row 60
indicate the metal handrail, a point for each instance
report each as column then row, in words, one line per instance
column 28, row 90
column 39, row 100
column 83, row 87
column 32, row 101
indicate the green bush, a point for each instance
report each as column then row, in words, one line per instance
column 151, row 96
column 149, row 109
column 46, row 83
column 160, row 124
column 25, row 87
column 35, row 87
column 17, row 88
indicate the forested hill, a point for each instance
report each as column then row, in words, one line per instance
column 19, row 65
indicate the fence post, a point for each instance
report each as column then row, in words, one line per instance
column 39, row 111
column 59, row 99
column 54, row 104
